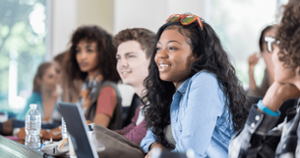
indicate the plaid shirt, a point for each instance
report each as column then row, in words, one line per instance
column 258, row 140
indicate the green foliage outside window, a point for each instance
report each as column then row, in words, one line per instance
column 22, row 41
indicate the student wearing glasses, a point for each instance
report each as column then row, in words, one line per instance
column 195, row 98
column 268, row 79
column 259, row 138
column 92, row 59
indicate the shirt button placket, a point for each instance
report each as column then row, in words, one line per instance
column 252, row 125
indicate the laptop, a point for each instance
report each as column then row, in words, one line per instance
column 78, row 130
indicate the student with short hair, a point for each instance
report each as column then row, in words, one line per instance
column 133, row 58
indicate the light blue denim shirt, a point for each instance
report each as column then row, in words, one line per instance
column 199, row 119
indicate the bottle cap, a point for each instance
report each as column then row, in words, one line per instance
column 33, row 106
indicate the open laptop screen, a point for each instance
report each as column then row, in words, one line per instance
column 77, row 128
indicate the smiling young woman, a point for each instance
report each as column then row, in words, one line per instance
column 195, row 99
column 91, row 58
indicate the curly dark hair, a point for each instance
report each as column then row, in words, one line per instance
column 289, row 35
column 144, row 36
column 106, row 53
column 212, row 58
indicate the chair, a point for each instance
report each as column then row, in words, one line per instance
column 136, row 101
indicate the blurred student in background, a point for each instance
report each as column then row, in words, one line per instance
column 259, row 137
column 92, row 59
column 44, row 93
column 58, row 66
column 268, row 79
column 45, row 96
column 133, row 58
column 69, row 92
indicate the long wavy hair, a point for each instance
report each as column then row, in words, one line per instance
column 211, row 58
column 106, row 53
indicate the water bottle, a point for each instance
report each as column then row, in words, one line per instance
column 64, row 131
column 33, row 127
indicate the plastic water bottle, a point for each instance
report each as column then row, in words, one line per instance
column 33, row 127
column 64, row 131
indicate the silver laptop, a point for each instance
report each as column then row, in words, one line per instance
column 78, row 130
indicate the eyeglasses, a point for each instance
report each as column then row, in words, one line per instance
column 185, row 19
column 270, row 43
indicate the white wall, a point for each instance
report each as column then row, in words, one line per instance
column 97, row 12
column 63, row 23
column 139, row 13
column 152, row 14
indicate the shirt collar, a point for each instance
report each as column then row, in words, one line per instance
column 183, row 87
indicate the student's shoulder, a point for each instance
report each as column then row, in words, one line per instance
column 204, row 77
column 35, row 97
column 108, row 90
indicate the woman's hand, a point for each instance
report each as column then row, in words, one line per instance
column 278, row 93
column 154, row 145
column 253, row 60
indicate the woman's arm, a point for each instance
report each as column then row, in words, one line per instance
column 137, row 133
column 102, row 119
column 125, row 129
column 252, row 61
column 278, row 93
column 148, row 143
column 154, row 145
column 256, row 139
column 253, row 141
column 148, row 140
column 106, row 104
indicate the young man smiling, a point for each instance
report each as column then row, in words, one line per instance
column 133, row 58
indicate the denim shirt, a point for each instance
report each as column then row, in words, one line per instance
column 199, row 119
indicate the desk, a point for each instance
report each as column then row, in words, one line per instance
column 10, row 148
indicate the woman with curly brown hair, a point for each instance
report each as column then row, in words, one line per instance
column 258, row 139
column 91, row 58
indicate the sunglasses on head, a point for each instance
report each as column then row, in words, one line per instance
column 270, row 43
column 185, row 19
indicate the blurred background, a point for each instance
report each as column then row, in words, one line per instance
column 33, row 31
